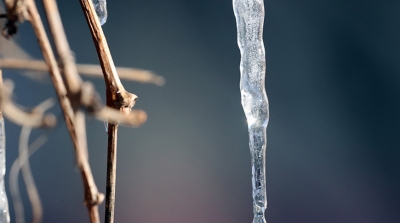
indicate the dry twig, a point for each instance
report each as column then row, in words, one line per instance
column 77, row 93
column 34, row 118
column 90, row 70
column 33, row 195
column 117, row 97
column 92, row 196
column 13, row 178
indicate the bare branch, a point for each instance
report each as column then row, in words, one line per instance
column 92, row 197
column 13, row 177
column 22, row 163
column 34, row 119
column 36, row 205
column 134, row 119
column 67, row 63
column 91, row 70
column 117, row 97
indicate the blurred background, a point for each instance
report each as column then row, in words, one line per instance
column 334, row 134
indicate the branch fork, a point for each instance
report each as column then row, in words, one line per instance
column 74, row 94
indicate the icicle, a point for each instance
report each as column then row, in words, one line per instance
column 4, row 214
column 101, row 10
column 249, row 19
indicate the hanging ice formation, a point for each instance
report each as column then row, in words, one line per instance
column 249, row 19
column 101, row 10
column 4, row 214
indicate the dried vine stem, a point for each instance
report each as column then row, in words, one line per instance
column 117, row 97
column 14, row 113
column 92, row 197
column 77, row 93
column 91, row 70
column 74, row 85
column 37, row 210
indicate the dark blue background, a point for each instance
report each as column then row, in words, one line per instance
column 333, row 140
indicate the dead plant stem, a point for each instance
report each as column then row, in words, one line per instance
column 91, row 70
column 117, row 97
column 92, row 197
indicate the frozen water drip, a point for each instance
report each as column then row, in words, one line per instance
column 249, row 20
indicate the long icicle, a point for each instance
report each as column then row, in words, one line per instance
column 249, row 19
column 4, row 213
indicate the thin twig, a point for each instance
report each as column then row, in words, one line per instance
column 134, row 119
column 33, row 195
column 15, row 114
column 66, row 60
column 13, row 177
column 117, row 97
column 22, row 163
column 92, row 197
column 111, row 172
column 90, row 70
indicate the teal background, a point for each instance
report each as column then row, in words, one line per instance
column 333, row 139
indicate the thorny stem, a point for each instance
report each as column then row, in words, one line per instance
column 92, row 197
column 117, row 97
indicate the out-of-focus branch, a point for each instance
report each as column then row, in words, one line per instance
column 36, row 205
column 75, row 93
column 131, row 74
column 13, row 179
column 91, row 70
column 14, row 113
column 66, row 60
column 16, row 12
column 92, row 196
column 134, row 119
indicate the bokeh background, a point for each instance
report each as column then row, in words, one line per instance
column 333, row 82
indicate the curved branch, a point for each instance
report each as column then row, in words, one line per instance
column 34, row 119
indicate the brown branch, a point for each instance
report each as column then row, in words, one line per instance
column 138, row 75
column 67, row 63
column 22, row 163
column 117, row 97
column 92, row 196
column 134, row 119
column 90, row 70
column 34, row 118
column 33, row 195
column 79, row 93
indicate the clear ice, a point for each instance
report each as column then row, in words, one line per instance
column 101, row 10
column 249, row 20
column 4, row 214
